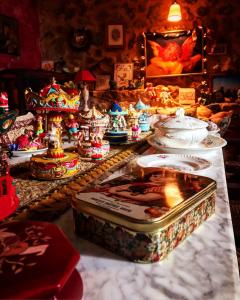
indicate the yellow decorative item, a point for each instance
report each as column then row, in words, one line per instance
column 55, row 168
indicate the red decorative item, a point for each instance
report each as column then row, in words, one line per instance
column 8, row 199
column 53, row 87
column 84, row 75
column 4, row 100
column 37, row 262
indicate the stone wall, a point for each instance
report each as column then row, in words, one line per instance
column 59, row 18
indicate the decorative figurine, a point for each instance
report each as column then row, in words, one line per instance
column 54, row 144
column 28, row 142
column 117, row 133
column 70, row 88
column 85, row 96
column 72, row 126
column 96, row 148
column 140, row 106
column 143, row 119
column 39, row 125
column 136, row 132
column 4, row 101
column 165, row 96
column 55, row 164
column 24, row 141
column 92, row 125
column 144, row 122
column 150, row 91
column 132, row 116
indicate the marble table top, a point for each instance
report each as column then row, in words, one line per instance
column 204, row 266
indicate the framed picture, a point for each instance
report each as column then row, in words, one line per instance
column 9, row 35
column 123, row 74
column 186, row 96
column 102, row 82
column 114, row 36
column 174, row 53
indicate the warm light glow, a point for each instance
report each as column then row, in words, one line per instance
column 172, row 194
column 174, row 14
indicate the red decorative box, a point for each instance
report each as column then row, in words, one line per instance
column 36, row 262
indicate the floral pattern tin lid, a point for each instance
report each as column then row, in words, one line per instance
column 36, row 260
column 153, row 195
column 180, row 121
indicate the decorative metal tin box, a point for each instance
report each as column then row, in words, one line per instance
column 144, row 216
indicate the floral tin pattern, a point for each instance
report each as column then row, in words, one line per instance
column 143, row 247
column 146, row 214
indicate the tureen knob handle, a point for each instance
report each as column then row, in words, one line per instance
column 180, row 113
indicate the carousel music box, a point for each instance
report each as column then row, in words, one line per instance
column 92, row 126
column 132, row 116
column 143, row 120
column 52, row 103
column 118, row 132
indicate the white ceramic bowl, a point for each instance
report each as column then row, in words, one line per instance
column 181, row 131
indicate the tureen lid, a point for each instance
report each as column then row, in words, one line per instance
column 180, row 121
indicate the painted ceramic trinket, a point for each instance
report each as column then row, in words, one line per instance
column 91, row 143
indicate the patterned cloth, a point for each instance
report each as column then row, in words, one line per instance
column 29, row 189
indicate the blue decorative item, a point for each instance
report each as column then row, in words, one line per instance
column 118, row 132
column 144, row 122
column 140, row 105
column 116, row 110
column 13, row 147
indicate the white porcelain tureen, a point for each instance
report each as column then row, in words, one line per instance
column 180, row 130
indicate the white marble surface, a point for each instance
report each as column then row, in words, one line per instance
column 204, row 266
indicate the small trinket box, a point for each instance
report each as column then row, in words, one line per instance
column 37, row 262
column 144, row 216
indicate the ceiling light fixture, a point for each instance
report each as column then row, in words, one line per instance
column 174, row 14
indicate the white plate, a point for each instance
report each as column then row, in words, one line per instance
column 211, row 142
column 28, row 153
column 178, row 162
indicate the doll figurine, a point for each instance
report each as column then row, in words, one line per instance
column 39, row 125
column 165, row 95
column 150, row 91
column 72, row 126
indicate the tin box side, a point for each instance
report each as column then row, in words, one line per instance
column 138, row 246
